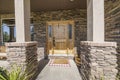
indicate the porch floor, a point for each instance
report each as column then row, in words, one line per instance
column 62, row 71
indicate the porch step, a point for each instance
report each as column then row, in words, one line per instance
column 59, row 56
column 3, row 55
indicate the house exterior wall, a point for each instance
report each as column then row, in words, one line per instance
column 40, row 19
column 77, row 15
column 0, row 31
column 112, row 24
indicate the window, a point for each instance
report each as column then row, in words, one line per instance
column 32, row 32
column 9, row 30
column 6, row 33
column 50, row 31
column 70, row 31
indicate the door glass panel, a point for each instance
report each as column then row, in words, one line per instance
column 50, row 31
column 60, row 32
column 70, row 31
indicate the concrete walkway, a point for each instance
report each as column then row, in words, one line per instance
column 60, row 72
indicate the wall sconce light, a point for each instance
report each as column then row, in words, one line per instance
column 71, row 0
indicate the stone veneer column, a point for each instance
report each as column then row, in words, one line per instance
column 23, row 51
column 24, row 54
column 99, row 60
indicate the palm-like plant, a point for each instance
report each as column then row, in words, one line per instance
column 16, row 73
column 3, row 74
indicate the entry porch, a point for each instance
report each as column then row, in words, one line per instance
column 72, row 27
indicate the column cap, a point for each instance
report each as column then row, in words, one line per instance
column 10, row 44
column 102, row 44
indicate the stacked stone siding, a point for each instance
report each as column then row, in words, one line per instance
column 0, row 31
column 99, row 61
column 77, row 15
column 24, row 54
column 112, row 24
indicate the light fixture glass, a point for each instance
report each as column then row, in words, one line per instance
column 71, row 0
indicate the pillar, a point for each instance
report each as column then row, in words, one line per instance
column 22, row 18
column 98, row 58
column 11, row 34
column 23, row 51
column 24, row 55
column 95, row 20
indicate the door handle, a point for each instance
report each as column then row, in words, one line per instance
column 54, row 41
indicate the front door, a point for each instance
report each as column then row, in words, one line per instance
column 60, row 37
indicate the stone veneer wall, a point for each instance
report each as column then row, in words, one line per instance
column 112, row 24
column 78, row 15
column 23, row 54
column 0, row 31
column 40, row 19
column 99, row 61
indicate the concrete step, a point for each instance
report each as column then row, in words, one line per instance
column 59, row 56
column 3, row 55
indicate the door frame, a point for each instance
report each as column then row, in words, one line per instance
column 65, row 22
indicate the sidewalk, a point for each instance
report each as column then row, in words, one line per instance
column 60, row 71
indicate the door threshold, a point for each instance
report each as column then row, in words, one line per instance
column 67, row 56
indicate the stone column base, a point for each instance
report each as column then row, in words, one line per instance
column 99, row 60
column 23, row 54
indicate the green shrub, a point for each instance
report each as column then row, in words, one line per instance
column 118, row 77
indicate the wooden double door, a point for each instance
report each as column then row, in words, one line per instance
column 60, row 36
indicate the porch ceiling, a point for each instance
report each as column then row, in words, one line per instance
column 7, row 6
